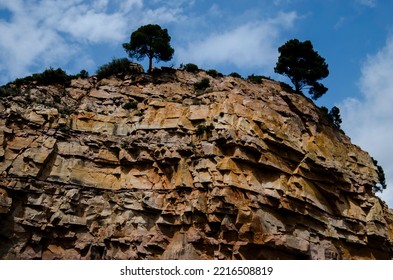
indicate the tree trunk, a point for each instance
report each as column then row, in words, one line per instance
column 297, row 87
column 150, row 64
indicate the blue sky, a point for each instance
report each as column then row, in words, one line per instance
column 354, row 36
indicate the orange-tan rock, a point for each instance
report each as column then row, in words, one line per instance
column 237, row 171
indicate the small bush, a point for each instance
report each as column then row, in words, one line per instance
column 63, row 128
column 119, row 66
column 6, row 91
column 3, row 92
column 201, row 129
column 48, row 77
column 52, row 76
column 333, row 115
column 83, row 74
column 209, row 128
column 214, row 73
column 22, row 81
column 130, row 105
column 325, row 111
column 257, row 79
column 203, row 84
column 381, row 184
column 235, row 75
column 57, row 99
column 192, row 68
column 66, row 111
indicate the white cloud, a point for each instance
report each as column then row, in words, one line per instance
column 248, row 45
column 101, row 4
column 91, row 26
column 215, row 10
column 130, row 5
column 23, row 41
column 281, row 2
column 162, row 15
column 82, row 20
column 368, row 3
column 175, row 3
column 54, row 32
column 369, row 121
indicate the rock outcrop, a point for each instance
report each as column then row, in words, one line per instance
column 147, row 167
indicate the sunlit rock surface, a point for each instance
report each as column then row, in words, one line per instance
column 236, row 171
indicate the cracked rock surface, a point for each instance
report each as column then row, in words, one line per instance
column 236, row 171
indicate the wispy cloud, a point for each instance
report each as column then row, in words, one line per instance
column 250, row 44
column 281, row 2
column 368, row 121
column 369, row 3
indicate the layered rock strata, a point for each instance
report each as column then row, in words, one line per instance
column 147, row 167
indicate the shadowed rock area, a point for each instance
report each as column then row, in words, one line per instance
column 148, row 167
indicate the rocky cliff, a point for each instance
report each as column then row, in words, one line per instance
column 148, row 167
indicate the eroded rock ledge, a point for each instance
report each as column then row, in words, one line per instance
column 237, row 171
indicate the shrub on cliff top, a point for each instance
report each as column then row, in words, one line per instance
column 190, row 67
column 214, row 73
column 333, row 115
column 120, row 66
column 381, row 184
column 52, row 76
column 83, row 74
column 48, row 77
column 257, row 79
column 235, row 75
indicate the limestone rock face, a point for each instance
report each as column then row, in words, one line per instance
column 147, row 167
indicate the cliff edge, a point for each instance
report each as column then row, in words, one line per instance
column 153, row 167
